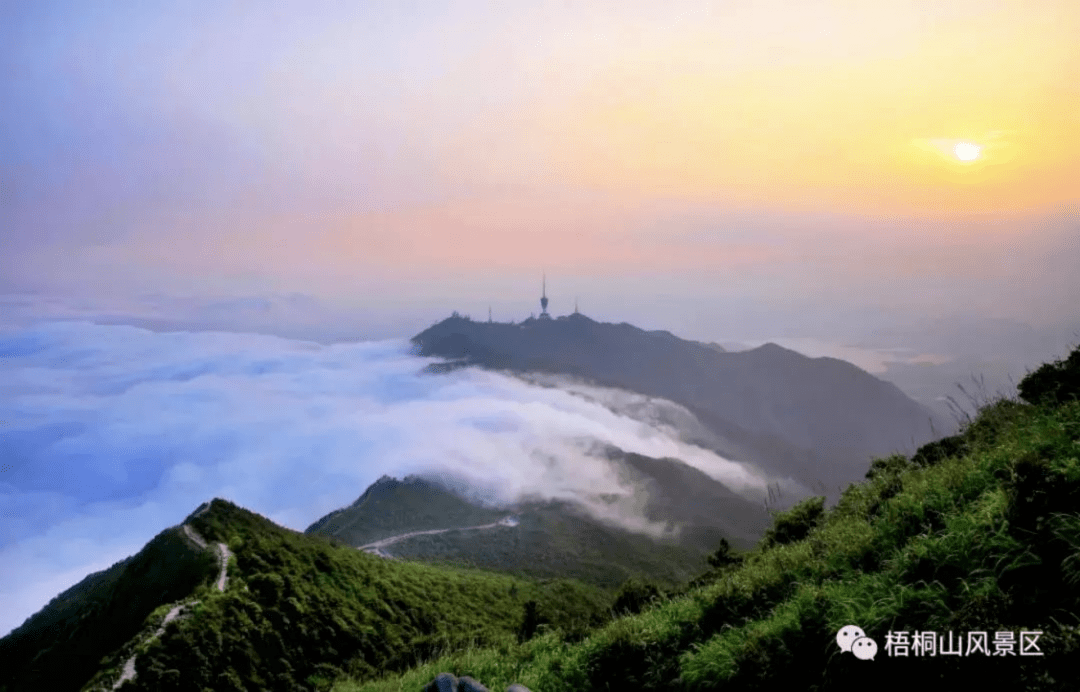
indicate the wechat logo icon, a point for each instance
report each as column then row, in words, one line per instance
column 851, row 639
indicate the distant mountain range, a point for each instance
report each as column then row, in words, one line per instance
column 819, row 421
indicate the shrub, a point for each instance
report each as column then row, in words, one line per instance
column 796, row 523
column 634, row 596
column 723, row 557
column 936, row 452
column 1053, row 383
column 888, row 466
column 530, row 621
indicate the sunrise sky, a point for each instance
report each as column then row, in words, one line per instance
column 714, row 168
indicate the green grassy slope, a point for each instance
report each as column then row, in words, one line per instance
column 556, row 540
column 980, row 532
column 301, row 610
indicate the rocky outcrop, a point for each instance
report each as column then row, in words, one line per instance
column 445, row 682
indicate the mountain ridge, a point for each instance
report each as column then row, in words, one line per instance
column 381, row 506
column 817, row 420
column 609, row 543
column 104, row 610
column 297, row 612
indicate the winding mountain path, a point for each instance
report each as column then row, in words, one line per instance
column 224, row 554
column 223, row 575
column 129, row 665
column 195, row 537
column 376, row 548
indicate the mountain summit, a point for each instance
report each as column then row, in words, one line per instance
column 817, row 420
column 390, row 507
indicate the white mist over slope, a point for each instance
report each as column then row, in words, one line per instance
column 111, row 434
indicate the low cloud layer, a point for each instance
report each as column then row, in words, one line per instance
column 112, row 433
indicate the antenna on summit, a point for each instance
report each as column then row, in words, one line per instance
column 575, row 305
column 544, row 300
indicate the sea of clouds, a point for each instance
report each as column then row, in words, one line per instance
column 110, row 434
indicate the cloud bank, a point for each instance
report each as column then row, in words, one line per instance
column 112, row 433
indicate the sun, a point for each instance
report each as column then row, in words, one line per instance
column 966, row 151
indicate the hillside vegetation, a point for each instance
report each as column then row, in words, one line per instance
column 300, row 611
column 976, row 532
column 556, row 540
column 60, row 646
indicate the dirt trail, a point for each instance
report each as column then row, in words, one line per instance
column 223, row 576
column 224, row 554
column 129, row 665
column 196, row 538
column 376, row 548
